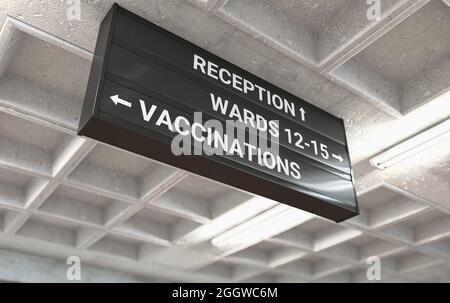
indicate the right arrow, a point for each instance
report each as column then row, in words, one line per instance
column 117, row 100
column 338, row 157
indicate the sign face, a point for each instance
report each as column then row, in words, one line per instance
column 157, row 95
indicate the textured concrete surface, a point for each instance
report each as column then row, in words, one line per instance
column 133, row 219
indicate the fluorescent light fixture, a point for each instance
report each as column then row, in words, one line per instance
column 413, row 146
column 230, row 218
column 266, row 225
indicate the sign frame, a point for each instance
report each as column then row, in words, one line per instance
column 110, row 129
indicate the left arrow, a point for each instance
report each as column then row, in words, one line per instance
column 117, row 100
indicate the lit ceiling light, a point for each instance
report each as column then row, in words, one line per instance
column 268, row 224
column 230, row 218
column 411, row 147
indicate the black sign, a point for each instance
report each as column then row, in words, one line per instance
column 155, row 94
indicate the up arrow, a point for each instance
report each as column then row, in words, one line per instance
column 117, row 100
column 338, row 157
column 302, row 112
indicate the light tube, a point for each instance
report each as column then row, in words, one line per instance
column 411, row 147
column 268, row 224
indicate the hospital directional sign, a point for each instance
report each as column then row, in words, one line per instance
column 158, row 95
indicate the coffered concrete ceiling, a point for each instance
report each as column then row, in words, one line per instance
column 132, row 219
